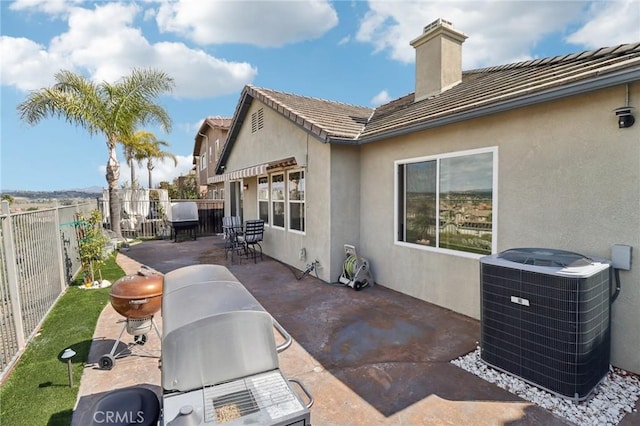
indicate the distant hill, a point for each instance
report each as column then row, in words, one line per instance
column 92, row 192
column 91, row 189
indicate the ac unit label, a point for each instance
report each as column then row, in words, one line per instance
column 520, row 301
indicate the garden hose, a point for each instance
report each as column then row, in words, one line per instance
column 349, row 266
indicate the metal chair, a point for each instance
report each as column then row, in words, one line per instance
column 232, row 228
column 253, row 235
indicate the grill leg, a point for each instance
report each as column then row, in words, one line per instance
column 115, row 344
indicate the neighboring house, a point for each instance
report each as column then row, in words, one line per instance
column 521, row 155
column 209, row 142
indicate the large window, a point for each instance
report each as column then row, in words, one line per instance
column 277, row 199
column 263, row 198
column 447, row 201
column 296, row 200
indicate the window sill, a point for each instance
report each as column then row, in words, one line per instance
column 457, row 253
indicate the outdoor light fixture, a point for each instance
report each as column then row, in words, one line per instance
column 245, row 186
column 625, row 118
column 67, row 355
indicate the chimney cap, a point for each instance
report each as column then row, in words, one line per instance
column 439, row 27
column 437, row 23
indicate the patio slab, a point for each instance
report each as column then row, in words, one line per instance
column 373, row 357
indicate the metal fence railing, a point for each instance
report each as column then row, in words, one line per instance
column 38, row 259
column 151, row 218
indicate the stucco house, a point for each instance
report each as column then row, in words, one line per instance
column 530, row 154
column 208, row 145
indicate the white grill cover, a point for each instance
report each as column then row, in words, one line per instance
column 185, row 211
column 214, row 330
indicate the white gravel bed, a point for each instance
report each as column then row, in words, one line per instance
column 609, row 402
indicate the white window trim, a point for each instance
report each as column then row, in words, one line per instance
column 494, row 221
column 203, row 161
column 288, row 216
column 272, row 201
column 268, row 200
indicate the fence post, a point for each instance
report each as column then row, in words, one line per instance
column 63, row 281
column 12, row 275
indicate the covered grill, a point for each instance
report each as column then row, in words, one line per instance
column 184, row 217
column 137, row 298
column 219, row 354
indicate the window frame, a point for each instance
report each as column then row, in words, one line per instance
column 272, row 201
column 290, row 201
column 267, row 200
column 203, row 161
column 438, row 157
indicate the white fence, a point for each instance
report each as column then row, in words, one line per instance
column 38, row 260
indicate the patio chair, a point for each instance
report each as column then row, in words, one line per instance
column 253, row 235
column 232, row 228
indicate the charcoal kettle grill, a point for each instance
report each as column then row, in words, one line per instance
column 137, row 298
column 219, row 355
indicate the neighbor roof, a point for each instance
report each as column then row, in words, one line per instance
column 212, row 122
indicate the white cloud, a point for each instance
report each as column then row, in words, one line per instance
column 51, row 7
column 27, row 65
column 260, row 23
column 344, row 40
column 499, row 31
column 617, row 22
column 381, row 98
column 104, row 43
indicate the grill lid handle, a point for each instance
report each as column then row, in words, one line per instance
column 306, row 392
column 287, row 337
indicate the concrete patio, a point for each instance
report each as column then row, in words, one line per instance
column 374, row 357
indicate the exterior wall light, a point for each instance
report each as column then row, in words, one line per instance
column 245, row 186
column 625, row 118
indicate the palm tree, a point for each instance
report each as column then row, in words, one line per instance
column 111, row 109
column 153, row 151
column 135, row 148
column 131, row 147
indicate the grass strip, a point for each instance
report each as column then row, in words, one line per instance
column 37, row 391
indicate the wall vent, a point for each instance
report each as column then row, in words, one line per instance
column 257, row 120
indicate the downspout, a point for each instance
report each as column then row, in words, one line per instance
column 206, row 181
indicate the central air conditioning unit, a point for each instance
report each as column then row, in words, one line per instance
column 545, row 318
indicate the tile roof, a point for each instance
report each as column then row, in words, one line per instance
column 481, row 92
column 326, row 119
column 484, row 90
column 223, row 122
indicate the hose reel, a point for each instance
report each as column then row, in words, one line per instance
column 356, row 272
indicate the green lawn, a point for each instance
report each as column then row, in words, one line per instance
column 37, row 392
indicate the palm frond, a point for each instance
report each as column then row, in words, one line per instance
column 133, row 99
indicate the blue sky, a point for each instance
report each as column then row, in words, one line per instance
column 355, row 52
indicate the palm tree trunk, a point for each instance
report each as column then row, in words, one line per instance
column 113, row 175
column 133, row 174
column 149, row 168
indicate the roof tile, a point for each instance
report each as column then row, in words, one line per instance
column 338, row 120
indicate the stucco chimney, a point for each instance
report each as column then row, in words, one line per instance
column 438, row 58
